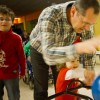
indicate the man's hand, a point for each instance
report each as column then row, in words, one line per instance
column 89, row 77
column 88, row 46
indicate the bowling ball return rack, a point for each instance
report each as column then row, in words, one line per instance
column 70, row 91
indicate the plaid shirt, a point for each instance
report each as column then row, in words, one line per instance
column 54, row 37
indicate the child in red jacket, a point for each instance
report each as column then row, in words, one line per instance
column 11, row 56
column 69, row 71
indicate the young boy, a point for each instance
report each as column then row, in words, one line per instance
column 68, row 72
column 11, row 56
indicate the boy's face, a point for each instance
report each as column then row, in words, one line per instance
column 5, row 23
column 73, row 64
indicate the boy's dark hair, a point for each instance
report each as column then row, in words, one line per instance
column 7, row 11
column 83, row 5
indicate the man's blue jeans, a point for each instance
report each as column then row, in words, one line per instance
column 12, row 87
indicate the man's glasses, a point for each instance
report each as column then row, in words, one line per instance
column 6, row 19
column 84, row 22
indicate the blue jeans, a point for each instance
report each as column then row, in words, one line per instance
column 12, row 87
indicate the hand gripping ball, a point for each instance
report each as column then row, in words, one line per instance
column 96, row 88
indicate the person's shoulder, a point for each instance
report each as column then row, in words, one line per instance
column 52, row 11
column 58, row 7
column 16, row 36
column 54, row 7
column 64, row 69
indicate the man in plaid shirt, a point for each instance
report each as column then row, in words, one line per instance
column 53, row 36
